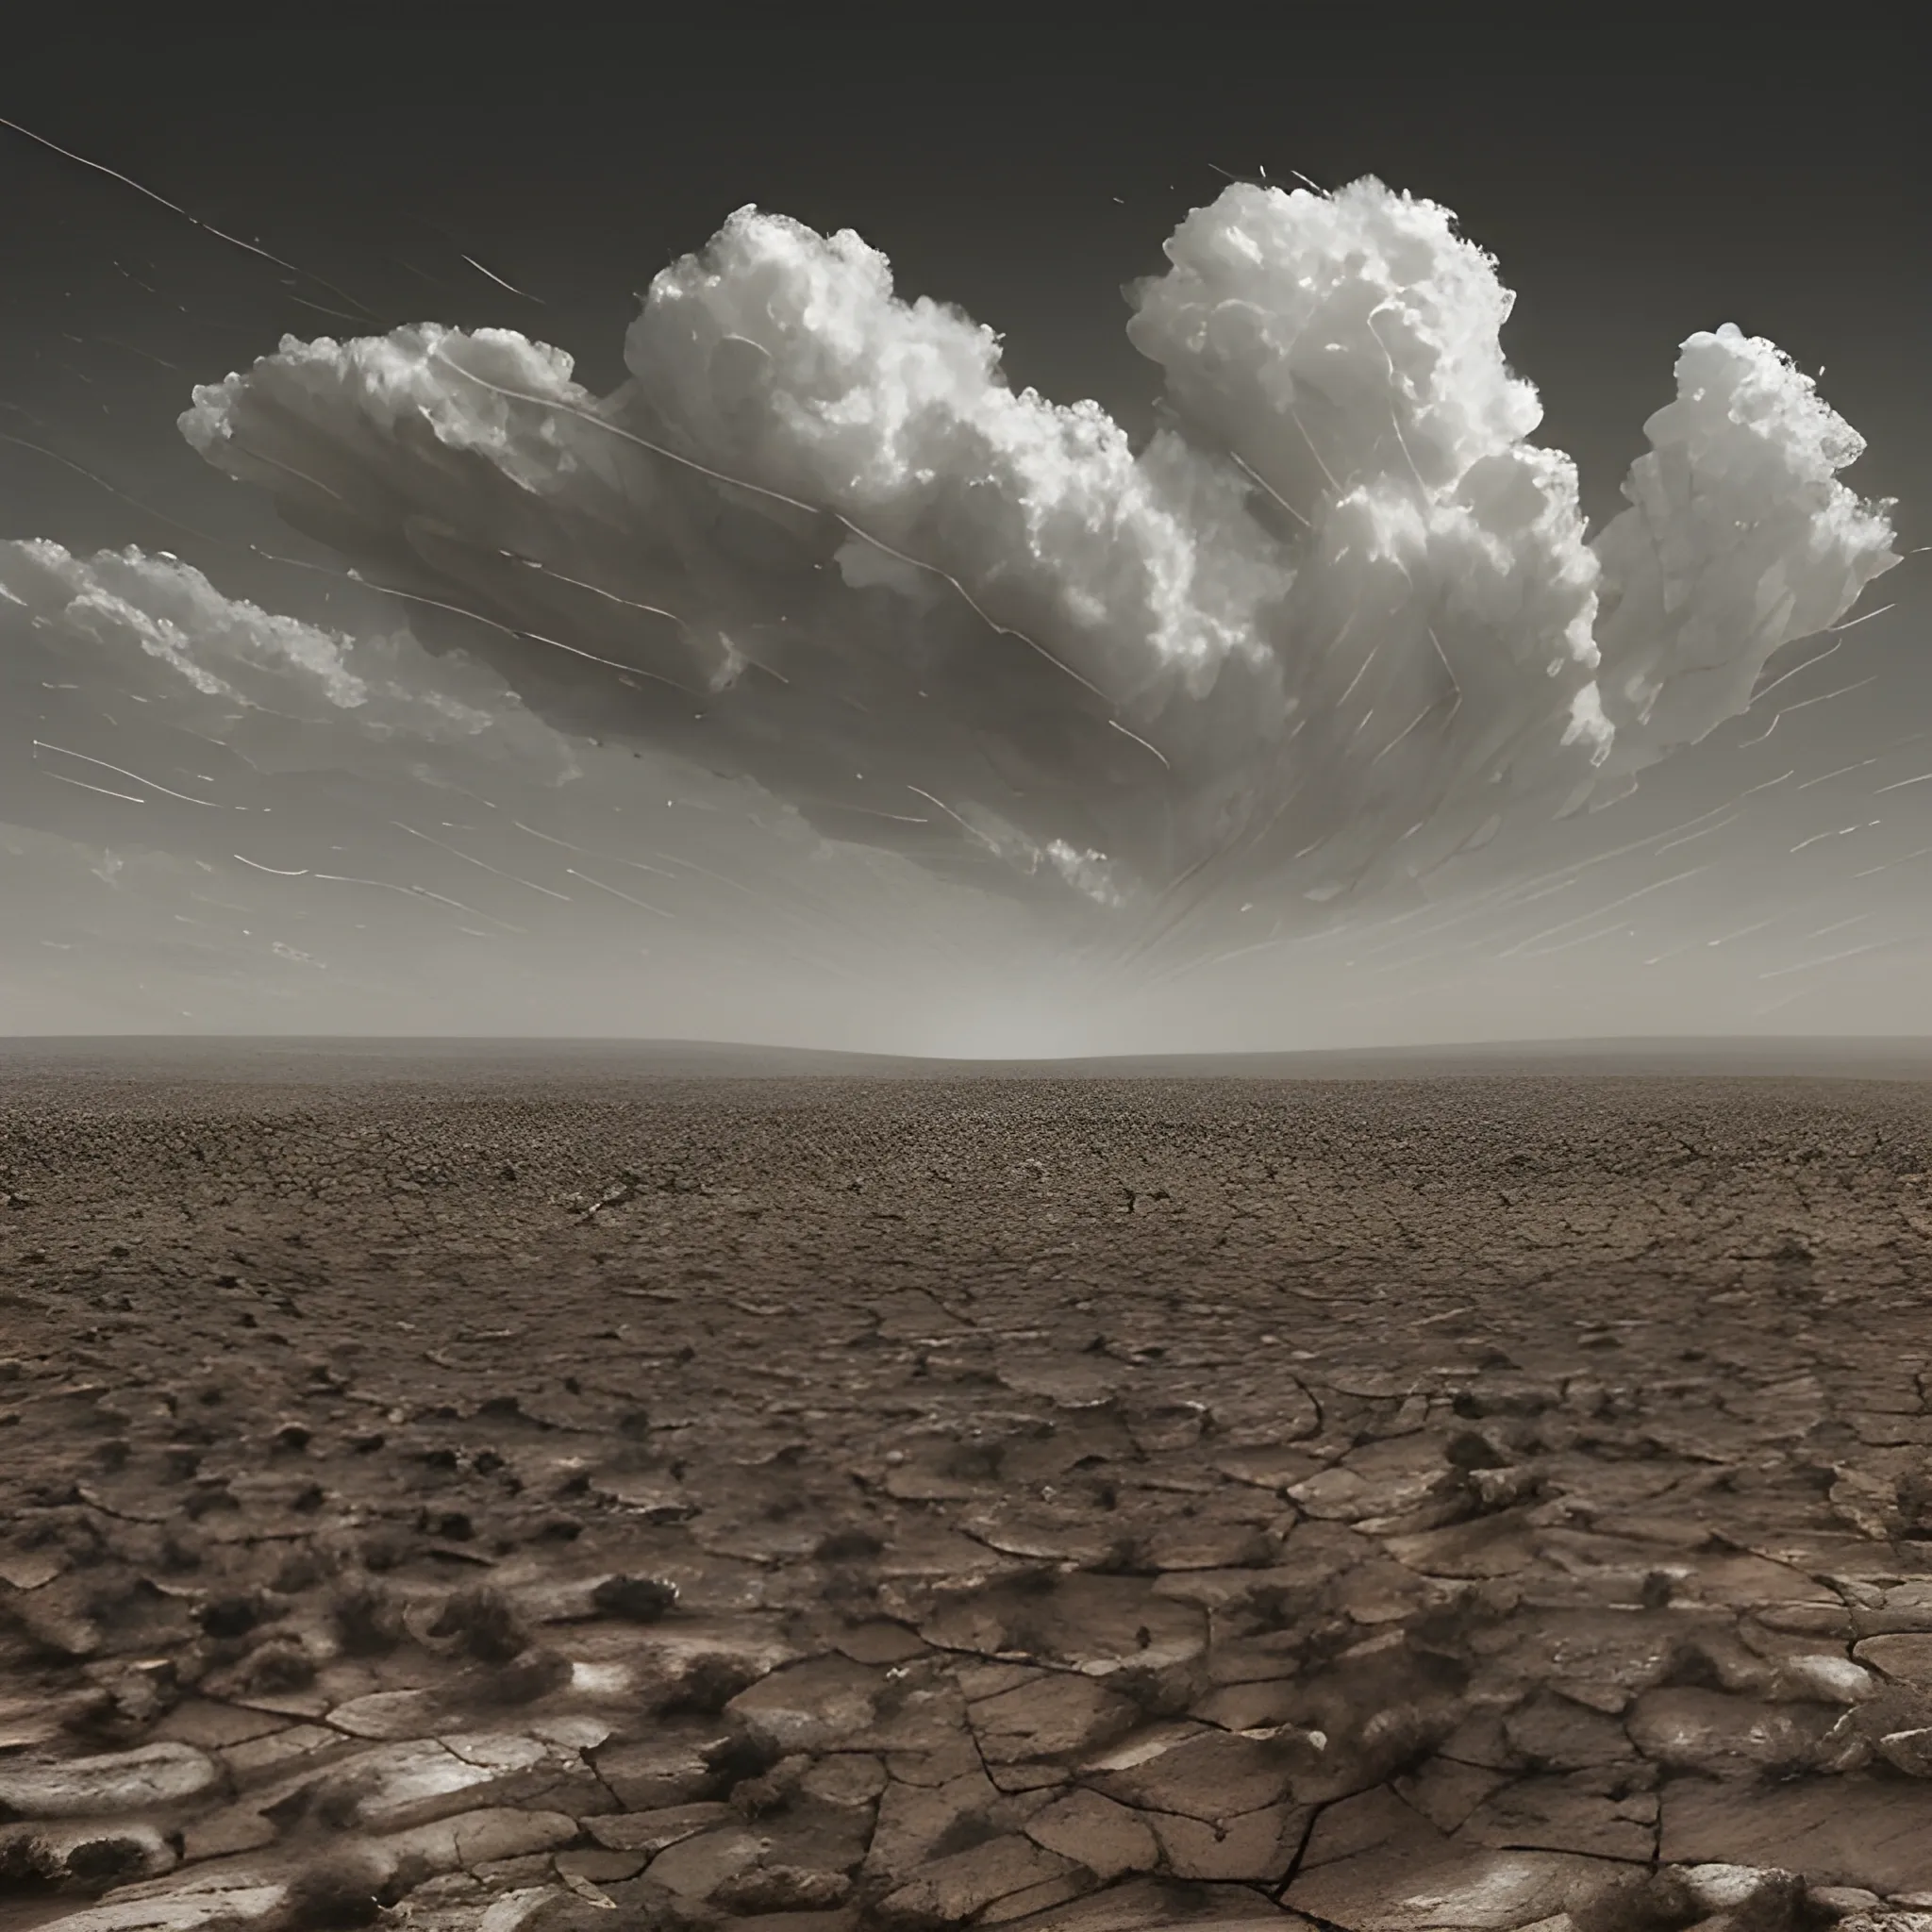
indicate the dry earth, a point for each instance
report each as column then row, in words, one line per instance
column 516, row 1496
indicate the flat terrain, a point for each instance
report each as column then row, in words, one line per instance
column 576, row 1487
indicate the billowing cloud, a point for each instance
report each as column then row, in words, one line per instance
column 1739, row 539
column 1338, row 620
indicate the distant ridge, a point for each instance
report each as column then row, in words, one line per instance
column 303, row 1060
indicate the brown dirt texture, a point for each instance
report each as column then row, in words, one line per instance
column 555, row 1489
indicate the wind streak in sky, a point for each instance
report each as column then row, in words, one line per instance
column 1336, row 622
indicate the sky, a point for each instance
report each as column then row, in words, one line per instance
column 403, row 173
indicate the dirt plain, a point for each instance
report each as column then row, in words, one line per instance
column 557, row 1488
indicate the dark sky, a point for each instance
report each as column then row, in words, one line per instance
column 1633, row 188
column 1636, row 182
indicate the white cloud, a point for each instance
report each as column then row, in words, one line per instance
column 1337, row 620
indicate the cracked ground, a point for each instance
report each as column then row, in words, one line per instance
column 572, row 1501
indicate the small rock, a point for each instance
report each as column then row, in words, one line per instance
column 1841, row 1901
column 1727, row 1887
column 93, row 1855
column 1909, row 1751
column 108, row 1786
column 1904, row 1656
column 1823, row 1678
column 637, row 1599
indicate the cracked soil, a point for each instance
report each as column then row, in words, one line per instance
column 573, row 1500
